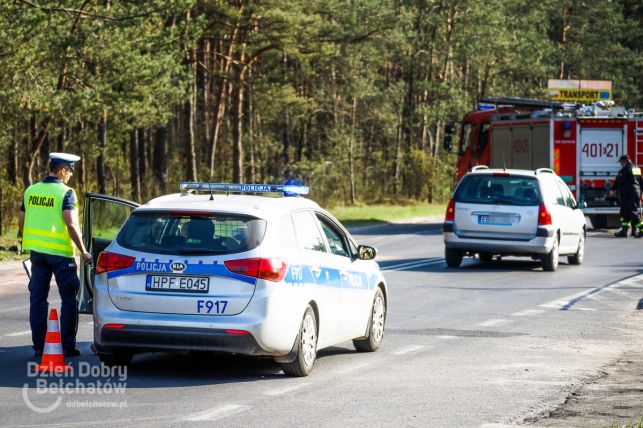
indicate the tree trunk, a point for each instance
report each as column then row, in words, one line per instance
column 142, row 162
column 100, row 161
column 133, row 163
column 160, row 159
column 191, row 113
column 237, row 133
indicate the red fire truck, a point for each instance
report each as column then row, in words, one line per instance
column 582, row 144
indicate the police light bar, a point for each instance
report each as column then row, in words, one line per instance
column 287, row 189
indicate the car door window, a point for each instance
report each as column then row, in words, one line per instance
column 107, row 217
column 554, row 195
column 308, row 234
column 569, row 198
column 287, row 232
column 336, row 240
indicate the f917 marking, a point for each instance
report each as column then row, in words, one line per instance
column 211, row 306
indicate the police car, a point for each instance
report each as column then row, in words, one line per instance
column 234, row 272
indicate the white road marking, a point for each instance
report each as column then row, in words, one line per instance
column 409, row 349
column 19, row 333
column 490, row 323
column 217, row 413
column 410, row 265
column 447, row 337
column 286, row 389
column 352, row 368
column 618, row 292
column 527, row 312
column 52, row 304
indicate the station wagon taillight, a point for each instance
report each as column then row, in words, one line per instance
column 544, row 217
column 108, row 262
column 272, row 269
column 450, row 214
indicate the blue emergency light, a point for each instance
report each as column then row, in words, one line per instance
column 287, row 190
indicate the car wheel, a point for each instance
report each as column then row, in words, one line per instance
column 303, row 363
column 550, row 260
column 485, row 257
column 375, row 326
column 116, row 359
column 577, row 257
column 453, row 257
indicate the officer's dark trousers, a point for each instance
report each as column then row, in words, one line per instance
column 630, row 212
column 64, row 270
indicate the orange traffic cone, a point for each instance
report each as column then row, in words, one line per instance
column 52, row 355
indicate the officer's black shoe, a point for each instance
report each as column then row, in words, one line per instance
column 622, row 233
column 639, row 234
column 73, row 352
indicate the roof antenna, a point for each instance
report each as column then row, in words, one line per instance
column 211, row 194
column 504, row 166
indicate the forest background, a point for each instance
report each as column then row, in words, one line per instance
column 352, row 95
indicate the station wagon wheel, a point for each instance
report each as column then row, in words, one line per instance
column 372, row 342
column 453, row 257
column 577, row 257
column 550, row 260
column 306, row 347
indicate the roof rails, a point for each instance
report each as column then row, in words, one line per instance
column 479, row 167
column 286, row 190
column 544, row 170
column 524, row 102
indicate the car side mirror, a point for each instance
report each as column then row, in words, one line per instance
column 581, row 205
column 366, row 253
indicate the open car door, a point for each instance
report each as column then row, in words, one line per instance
column 103, row 217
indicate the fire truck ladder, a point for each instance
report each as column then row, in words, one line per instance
column 638, row 141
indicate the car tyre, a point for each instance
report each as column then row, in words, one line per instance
column 453, row 257
column 306, row 354
column 376, row 321
column 577, row 257
column 116, row 359
column 550, row 260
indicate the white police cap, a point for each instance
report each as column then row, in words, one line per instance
column 65, row 158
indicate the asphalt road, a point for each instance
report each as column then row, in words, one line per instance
column 496, row 343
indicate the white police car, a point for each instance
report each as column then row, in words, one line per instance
column 236, row 273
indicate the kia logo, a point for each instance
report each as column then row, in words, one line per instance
column 177, row 267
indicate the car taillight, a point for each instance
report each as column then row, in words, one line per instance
column 108, row 262
column 273, row 269
column 544, row 218
column 450, row 214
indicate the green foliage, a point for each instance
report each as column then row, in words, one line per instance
column 352, row 96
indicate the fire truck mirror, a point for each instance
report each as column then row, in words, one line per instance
column 448, row 136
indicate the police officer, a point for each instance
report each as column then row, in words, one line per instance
column 628, row 183
column 48, row 224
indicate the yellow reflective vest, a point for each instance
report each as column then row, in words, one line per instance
column 44, row 229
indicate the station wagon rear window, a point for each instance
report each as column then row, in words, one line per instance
column 175, row 232
column 498, row 189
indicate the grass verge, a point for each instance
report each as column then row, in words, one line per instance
column 378, row 214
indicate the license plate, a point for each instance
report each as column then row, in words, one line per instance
column 183, row 284
column 497, row 220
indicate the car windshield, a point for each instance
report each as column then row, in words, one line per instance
column 498, row 189
column 164, row 232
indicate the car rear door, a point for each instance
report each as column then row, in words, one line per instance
column 497, row 206
column 103, row 216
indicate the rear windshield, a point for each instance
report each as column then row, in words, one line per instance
column 498, row 189
column 165, row 232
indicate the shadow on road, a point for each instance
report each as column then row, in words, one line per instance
column 388, row 229
column 152, row 370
